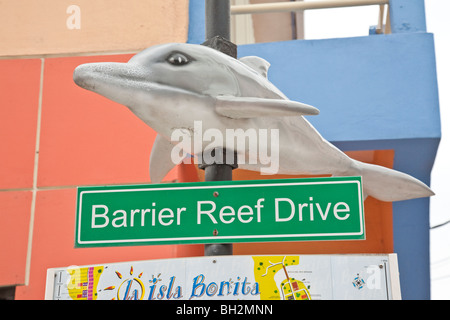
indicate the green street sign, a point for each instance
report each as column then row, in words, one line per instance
column 221, row 212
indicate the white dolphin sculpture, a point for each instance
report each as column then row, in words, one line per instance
column 172, row 85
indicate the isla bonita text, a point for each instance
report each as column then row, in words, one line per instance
column 285, row 210
column 200, row 288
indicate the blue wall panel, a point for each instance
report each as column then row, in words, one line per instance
column 377, row 87
column 407, row 16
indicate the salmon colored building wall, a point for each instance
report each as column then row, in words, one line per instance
column 66, row 27
column 55, row 136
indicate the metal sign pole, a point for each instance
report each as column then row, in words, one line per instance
column 218, row 14
column 218, row 37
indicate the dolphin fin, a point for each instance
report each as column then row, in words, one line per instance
column 256, row 63
column 390, row 185
column 160, row 159
column 250, row 107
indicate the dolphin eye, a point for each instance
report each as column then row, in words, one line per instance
column 178, row 59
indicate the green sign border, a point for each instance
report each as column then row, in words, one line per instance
column 359, row 235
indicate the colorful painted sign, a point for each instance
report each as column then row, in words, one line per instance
column 221, row 212
column 289, row 277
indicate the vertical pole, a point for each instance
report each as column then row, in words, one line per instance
column 217, row 18
column 217, row 37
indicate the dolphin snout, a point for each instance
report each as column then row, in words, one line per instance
column 85, row 75
column 79, row 74
column 90, row 75
column 119, row 82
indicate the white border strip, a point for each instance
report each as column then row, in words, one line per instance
column 394, row 277
column 35, row 176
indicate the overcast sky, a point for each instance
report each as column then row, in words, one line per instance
column 438, row 23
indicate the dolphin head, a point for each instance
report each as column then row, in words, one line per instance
column 194, row 68
column 164, row 81
column 184, row 67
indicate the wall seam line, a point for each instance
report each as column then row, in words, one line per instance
column 35, row 175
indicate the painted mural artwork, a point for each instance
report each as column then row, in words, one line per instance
column 283, row 277
column 198, row 99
